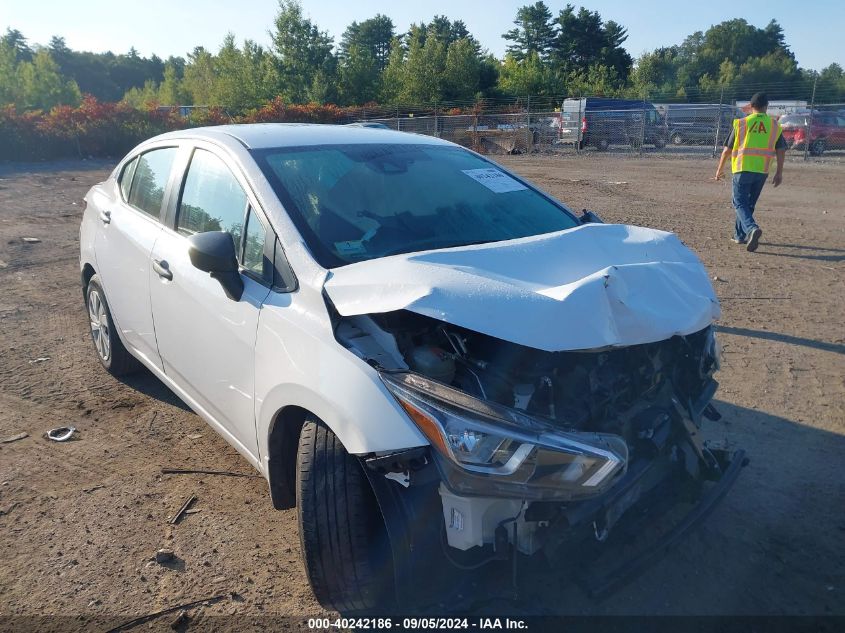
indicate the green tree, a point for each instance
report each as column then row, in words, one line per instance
column 462, row 72
column 534, row 32
column 42, row 86
column 171, row 92
column 374, row 35
column 422, row 80
column 200, row 77
column 528, row 77
column 304, row 56
column 584, row 41
column 394, row 73
column 9, row 88
column 16, row 39
column 359, row 78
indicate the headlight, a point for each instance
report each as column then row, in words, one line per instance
column 486, row 448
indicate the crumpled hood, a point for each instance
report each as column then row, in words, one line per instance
column 593, row 286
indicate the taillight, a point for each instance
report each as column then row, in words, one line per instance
column 584, row 124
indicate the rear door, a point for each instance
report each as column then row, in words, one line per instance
column 124, row 242
column 207, row 341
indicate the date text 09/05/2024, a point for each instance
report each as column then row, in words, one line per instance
column 414, row 624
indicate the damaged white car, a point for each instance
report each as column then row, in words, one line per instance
column 439, row 365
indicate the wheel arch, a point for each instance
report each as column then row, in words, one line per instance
column 86, row 274
column 282, row 444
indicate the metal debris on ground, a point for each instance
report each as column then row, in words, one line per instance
column 14, row 438
column 180, row 607
column 178, row 516
column 61, row 434
column 40, row 359
column 192, row 471
column 31, row 240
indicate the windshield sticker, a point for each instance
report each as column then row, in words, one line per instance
column 495, row 180
column 352, row 247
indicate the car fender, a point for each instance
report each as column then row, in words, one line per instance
column 298, row 362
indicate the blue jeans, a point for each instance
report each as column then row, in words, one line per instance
column 747, row 186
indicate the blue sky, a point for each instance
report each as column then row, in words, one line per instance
column 814, row 30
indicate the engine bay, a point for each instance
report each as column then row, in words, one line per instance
column 612, row 390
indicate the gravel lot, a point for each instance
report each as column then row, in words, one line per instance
column 81, row 521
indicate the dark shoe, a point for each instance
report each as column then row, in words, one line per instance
column 753, row 238
column 736, row 241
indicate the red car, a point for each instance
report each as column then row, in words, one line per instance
column 827, row 131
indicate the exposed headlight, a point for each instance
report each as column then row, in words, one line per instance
column 487, row 448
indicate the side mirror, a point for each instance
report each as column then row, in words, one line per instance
column 588, row 217
column 214, row 252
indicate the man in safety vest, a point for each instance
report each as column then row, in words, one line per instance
column 753, row 144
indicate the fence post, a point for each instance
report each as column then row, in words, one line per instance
column 579, row 137
column 642, row 127
column 436, row 131
column 718, row 123
column 528, row 136
column 397, row 119
column 807, row 136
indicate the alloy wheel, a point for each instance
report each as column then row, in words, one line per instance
column 99, row 324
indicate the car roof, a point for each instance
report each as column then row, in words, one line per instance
column 268, row 135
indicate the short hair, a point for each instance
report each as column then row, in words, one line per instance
column 759, row 101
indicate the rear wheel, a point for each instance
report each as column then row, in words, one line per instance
column 677, row 139
column 602, row 144
column 817, row 147
column 110, row 350
column 341, row 530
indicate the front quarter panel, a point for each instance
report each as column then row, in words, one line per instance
column 299, row 362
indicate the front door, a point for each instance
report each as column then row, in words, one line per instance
column 206, row 340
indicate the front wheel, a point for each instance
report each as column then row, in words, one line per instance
column 110, row 350
column 343, row 537
column 817, row 147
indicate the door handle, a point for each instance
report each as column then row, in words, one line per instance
column 105, row 216
column 163, row 270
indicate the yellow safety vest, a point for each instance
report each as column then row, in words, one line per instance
column 754, row 143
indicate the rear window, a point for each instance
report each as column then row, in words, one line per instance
column 126, row 178
column 150, row 180
column 793, row 120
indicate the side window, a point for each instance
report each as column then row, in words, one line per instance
column 256, row 235
column 126, row 178
column 212, row 199
column 151, row 174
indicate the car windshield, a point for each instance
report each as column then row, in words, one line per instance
column 363, row 201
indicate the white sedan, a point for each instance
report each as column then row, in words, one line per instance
column 438, row 364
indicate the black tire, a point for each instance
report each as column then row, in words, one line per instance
column 659, row 142
column 602, row 144
column 110, row 350
column 676, row 138
column 343, row 537
column 817, row 147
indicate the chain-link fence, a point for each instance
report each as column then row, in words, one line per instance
column 656, row 123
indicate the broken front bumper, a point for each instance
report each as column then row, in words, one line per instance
column 582, row 532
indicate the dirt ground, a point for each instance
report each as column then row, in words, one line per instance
column 80, row 521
